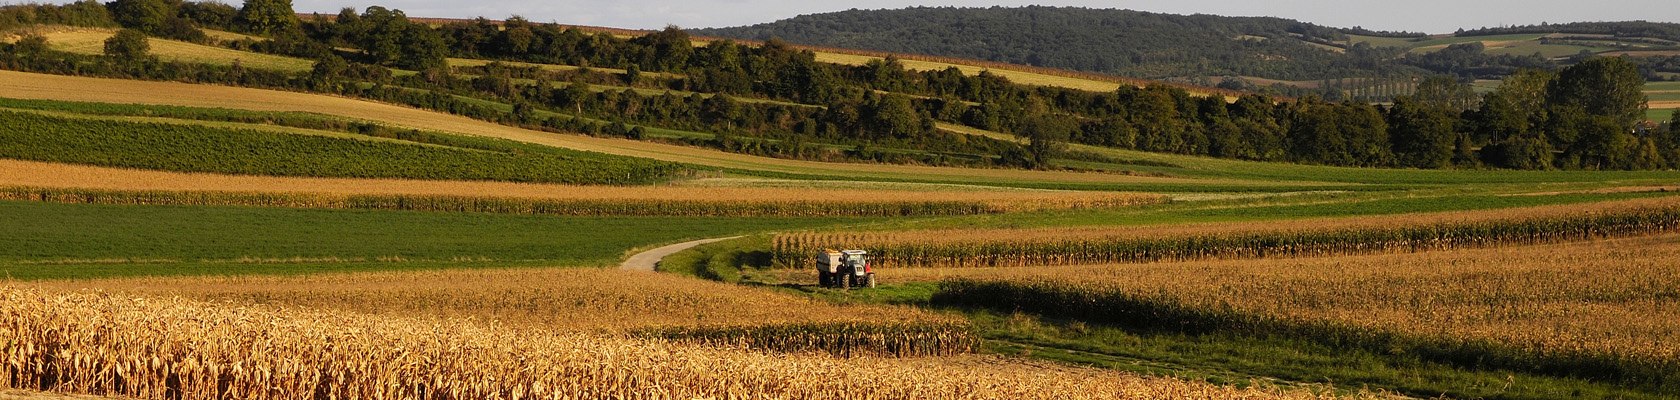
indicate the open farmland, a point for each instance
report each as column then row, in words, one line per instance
column 82, row 240
column 1590, row 311
column 52, row 87
column 627, row 303
column 92, row 41
column 404, row 212
column 161, row 347
column 88, row 184
column 1192, row 173
column 1307, row 237
column 198, row 148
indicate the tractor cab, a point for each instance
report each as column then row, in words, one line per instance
column 845, row 269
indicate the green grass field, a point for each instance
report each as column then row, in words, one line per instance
column 90, row 241
column 201, row 148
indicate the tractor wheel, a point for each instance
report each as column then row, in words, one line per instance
column 846, row 282
column 869, row 281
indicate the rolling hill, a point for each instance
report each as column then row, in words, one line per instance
column 1288, row 56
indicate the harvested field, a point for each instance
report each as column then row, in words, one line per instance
column 92, row 41
column 77, row 183
column 158, row 348
column 1600, row 310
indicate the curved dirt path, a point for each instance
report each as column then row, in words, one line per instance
column 647, row 260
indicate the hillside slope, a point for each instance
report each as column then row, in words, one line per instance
column 1125, row 42
column 1204, row 48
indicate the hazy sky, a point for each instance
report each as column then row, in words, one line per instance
column 1433, row 16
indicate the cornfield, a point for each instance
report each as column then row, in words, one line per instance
column 1357, row 235
column 846, row 339
column 171, row 348
column 608, row 302
column 1604, row 310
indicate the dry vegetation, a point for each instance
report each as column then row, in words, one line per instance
column 595, row 301
column 173, row 348
column 1310, row 237
column 1604, row 309
column 92, row 41
column 66, row 88
column 26, row 180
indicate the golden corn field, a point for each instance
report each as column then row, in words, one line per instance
column 611, row 302
column 36, row 181
column 1601, row 310
column 173, row 348
column 1297, row 238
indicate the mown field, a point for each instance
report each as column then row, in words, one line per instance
column 92, row 41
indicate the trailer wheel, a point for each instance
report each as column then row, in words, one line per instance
column 823, row 279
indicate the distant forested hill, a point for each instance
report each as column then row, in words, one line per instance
column 1131, row 43
column 1207, row 47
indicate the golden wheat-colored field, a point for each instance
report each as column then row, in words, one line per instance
column 54, row 87
column 41, row 174
column 621, row 303
column 27, row 180
column 573, row 299
column 1612, row 302
column 169, row 348
column 92, row 41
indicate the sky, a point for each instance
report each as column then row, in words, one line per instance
column 1432, row 16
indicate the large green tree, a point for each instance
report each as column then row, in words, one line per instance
column 1603, row 86
column 266, row 17
column 128, row 45
column 1422, row 133
column 1516, row 108
column 145, row 15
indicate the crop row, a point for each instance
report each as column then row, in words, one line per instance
column 621, row 303
column 516, row 205
column 844, row 339
column 193, row 148
column 1600, row 311
column 171, row 348
column 900, row 250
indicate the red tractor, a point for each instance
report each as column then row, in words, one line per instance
column 845, row 269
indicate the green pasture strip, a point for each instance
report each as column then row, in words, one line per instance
column 55, row 241
column 188, row 148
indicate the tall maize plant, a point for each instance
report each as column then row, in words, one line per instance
column 155, row 348
column 931, row 251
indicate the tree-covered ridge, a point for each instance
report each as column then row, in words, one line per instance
column 1123, row 42
column 1637, row 29
column 1197, row 47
